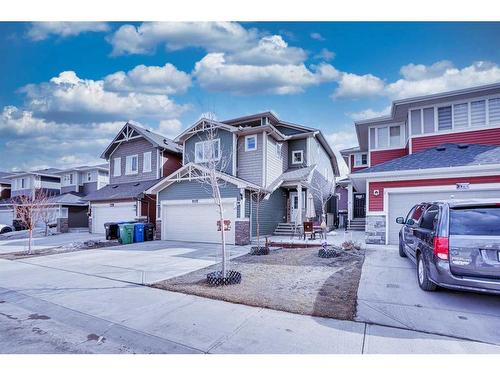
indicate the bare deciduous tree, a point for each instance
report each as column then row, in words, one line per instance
column 322, row 190
column 33, row 208
column 257, row 196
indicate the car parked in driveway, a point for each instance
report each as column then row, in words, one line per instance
column 454, row 243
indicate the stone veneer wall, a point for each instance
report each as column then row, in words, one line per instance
column 90, row 224
column 158, row 230
column 62, row 225
column 242, row 232
column 375, row 229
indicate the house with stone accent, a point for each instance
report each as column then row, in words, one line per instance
column 260, row 153
column 65, row 190
column 432, row 147
column 137, row 159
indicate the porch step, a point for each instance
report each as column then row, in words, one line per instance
column 284, row 229
column 357, row 224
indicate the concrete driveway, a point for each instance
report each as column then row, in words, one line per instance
column 141, row 263
column 389, row 295
column 8, row 245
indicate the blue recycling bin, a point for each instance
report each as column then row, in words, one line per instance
column 139, row 232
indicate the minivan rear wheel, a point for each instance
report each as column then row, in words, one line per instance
column 423, row 277
column 402, row 253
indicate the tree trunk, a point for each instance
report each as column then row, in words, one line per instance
column 258, row 225
column 218, row 200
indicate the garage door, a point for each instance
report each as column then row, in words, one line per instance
column 103, row 213
column 197, row 222
column 6, row 217
column 401, row 203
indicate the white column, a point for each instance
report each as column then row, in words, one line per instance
column 349, row 201
column 299, row 200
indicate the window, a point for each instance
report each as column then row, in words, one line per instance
column 417, row 213
column 297, row 157
column 416, row 122
column 372, row 138
column 146, row 162
column 207, row 151
column 23, row 184
column 461, row 115
column 444, row 118
column 476, row 221
column 117, row 167
column 71, row 178
column 279, row 148
column 428, row 218
column 478, row 113
column 395, row 136
column 382, row 137
column 360, row 160
column 131, row 164
column 428, row 120
column 89, row 176
column 251, row 142
column 494, row 111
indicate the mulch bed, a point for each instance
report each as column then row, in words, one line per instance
column 59, row 250
column 293, row 280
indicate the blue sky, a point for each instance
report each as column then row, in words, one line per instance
column 68, row 87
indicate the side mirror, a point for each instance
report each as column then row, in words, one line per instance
column 400, row 220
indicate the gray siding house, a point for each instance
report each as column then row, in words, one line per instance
column 138, row 158
column 286, row 164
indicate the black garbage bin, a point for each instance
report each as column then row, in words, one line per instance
column 112, row 232
column 149, row 232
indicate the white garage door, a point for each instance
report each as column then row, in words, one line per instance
column 197, row 222
column 103, row 213
column 6, row 217
column 401, row 203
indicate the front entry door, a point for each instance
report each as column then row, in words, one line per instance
column 294, row 204
column 359, row 205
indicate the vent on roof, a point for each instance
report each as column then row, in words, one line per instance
column 462, row 146
column 137, row 184
column 440, row 148
column 114, row 186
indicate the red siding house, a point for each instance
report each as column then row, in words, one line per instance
column 439, row 146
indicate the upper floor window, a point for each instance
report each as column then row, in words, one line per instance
column 207, row 151
column 23, row 183
column 360, row 160
column 146, row 162
column 71, row 179
column 251, row 142
column 117, row 167
column 131, row 164
column 297, row 157
column 279, row 149
column 89, row 176
column 444, row 118
column 390, row 136
column 478, row 113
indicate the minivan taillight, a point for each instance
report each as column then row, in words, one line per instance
column 441, row 247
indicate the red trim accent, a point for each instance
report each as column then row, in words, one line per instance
column 379, row 157
column 376, row 203
column 485, row 137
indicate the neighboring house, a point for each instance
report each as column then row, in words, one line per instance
column 69, row 209
column 138, row 158
column 85, row 179
column 430, row 147
column 4, row 185
column 254, row 153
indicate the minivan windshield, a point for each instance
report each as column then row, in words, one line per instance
column 475, row 221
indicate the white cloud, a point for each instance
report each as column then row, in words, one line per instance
column 353, row 85
column 316, row 36
column 165, row 79
column 215, row 73
column 417, row 72
column 211, row 36
column 72, row 99
column 269, row 50
column 369, row 113
column 43, row 30
column 325, row 54
column 170, row 128
column 341, row 140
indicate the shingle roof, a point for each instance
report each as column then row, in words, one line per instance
column 446, row 155
column 71, row 198
column 4, row 180
column 120, row 191
column 159, row 139
column 293, row 174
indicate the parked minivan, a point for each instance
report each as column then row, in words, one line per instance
column 454, row 243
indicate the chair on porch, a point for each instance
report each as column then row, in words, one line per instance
column 308, row 230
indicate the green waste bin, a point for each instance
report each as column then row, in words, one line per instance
column 126, row 233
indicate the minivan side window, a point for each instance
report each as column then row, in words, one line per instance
column 417, row 213
column 428, row 218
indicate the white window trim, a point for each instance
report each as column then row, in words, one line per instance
column 149, row 168
column 301, row 152
column 254, row 136
column 202, row 143
column 402, row 136
column 128, row 164
column 361, row 158
column 117, row 171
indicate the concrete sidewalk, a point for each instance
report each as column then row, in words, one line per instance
column 134, row 318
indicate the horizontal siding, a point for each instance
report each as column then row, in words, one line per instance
column 226, row 148
column 271, row 212
column 485, row 137
column 297, row 145
column 376, row 203
column 382, row 156
column 134, row 147
column 274, row 162
column 250, row 162
column 170, row 163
